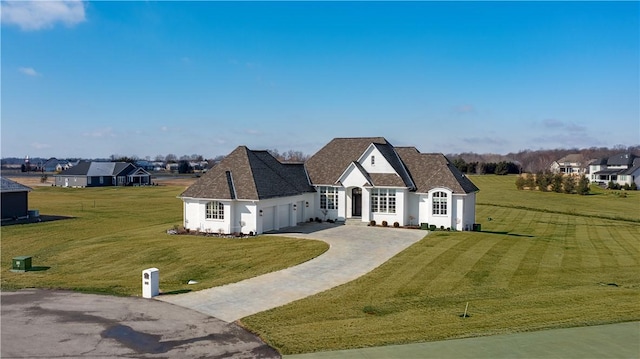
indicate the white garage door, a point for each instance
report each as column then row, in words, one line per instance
column 283, row 216
column 268, row 219
column 299, row 212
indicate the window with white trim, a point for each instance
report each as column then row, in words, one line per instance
column 383, row 200
column 328, row 198
column 439, row 203
column 214, row 210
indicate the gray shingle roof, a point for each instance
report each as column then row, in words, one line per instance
column 81, row 169
column 98, row 169
column 252, row 175
column 571, row 158
column 622, row 159
column 431, row 170
column 7, row 185
column 327, row 165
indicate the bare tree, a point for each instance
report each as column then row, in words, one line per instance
column 171, row 158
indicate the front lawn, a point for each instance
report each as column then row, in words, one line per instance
column 556, row 264
column 113, row 233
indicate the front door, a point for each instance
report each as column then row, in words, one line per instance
column 356, row 202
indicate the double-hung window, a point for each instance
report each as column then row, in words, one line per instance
column 215, row 210
column 328, row 198
column 440, row 203
column 383, row 200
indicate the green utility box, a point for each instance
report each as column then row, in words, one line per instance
column 424, row 226
column 477, row 227
column 21, row 264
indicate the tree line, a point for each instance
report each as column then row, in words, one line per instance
column 550, row 182
column 533, row 161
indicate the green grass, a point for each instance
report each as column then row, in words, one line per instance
column 551, row 265
column 114, row 233
column 501, row 191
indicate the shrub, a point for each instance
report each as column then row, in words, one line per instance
column 520, row 182
column 384, row 223
column 372, row 223
column 432, row 227
column 569, row 184
column 396, row 224
column 442, row 228
column 582, row 188
column 634, row 187
column 530, row 181
column 556, row 182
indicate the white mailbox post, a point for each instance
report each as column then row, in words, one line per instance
column 150, row 282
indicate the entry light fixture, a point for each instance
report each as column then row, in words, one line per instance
column 260, row 213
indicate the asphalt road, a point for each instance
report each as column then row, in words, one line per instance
column 59, row 324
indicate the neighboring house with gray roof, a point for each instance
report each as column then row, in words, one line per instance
column 362, row 179
column 621, row 169
column 55, row 165
column 572, row 164
column 15, row 199
column 97, row 174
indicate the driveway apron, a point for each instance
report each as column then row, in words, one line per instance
column 354, row 251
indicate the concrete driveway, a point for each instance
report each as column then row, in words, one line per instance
column 354, row 251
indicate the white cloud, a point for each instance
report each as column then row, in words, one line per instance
column 29, row 71
column 36, row 15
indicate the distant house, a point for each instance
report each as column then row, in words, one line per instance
column 96, row 174
column 356, row 179
column 621, row 169
column 55, row 165
column 570, row 164
column 15, row 199
column 145, row 165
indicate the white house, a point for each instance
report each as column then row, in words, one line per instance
column 569, row 164
column 621, row 169
column 362, row 179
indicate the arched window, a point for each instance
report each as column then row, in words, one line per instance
column 215, row 210
column 440, row 203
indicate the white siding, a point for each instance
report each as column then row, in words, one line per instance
column 195, row 217
column 380, row 163
column 469, row 211
column 439, row 220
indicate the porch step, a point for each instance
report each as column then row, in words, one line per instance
column 355, row 222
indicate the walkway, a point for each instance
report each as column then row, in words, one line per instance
column 354, row 251
column 603, row 341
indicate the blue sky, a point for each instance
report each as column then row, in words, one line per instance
column 92, row 79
